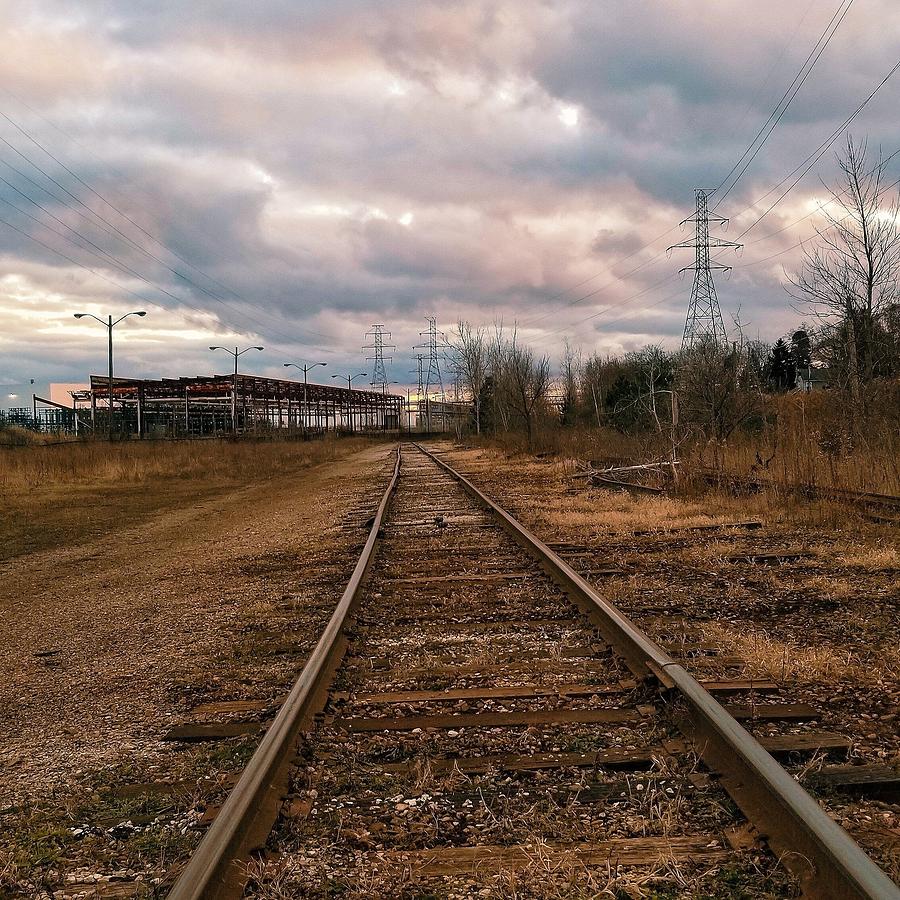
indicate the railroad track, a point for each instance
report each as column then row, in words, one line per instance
column 474, row 708
column 880, row 507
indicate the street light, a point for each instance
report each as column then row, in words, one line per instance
column 235, row 353
column 110, row 324
column 305, row 368
column 350, row 378
column 349, row 400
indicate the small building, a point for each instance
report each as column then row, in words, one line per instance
column 812, row 379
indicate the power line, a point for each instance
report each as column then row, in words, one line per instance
column 80, row 265
column 753, row 150
column 102, row 222
column 100, row 196
column 608, row 308
column 800, row 243
column 786, row 100
column 142, row 297
column 535, row 319
column 806, row 165
column 98, row 252
column 772, row 69
column 817, row 154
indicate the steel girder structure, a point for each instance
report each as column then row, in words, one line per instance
column 201, row 405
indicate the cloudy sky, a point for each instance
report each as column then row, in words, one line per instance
column 289, row 172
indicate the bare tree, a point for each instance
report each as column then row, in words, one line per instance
column 471, row 363
column 598, row 374
column 851, row 278
column 571, row 369
column 718, row 390
column 526, row 382
column 499, row 412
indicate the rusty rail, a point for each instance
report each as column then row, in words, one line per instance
column 802, row 489
column 828, row 861
column 217, row 867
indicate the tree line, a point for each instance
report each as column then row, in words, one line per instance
column 848, row 285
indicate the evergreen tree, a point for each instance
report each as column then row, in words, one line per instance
column 801, row 350
column 781, row 372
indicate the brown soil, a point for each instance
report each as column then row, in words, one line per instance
column 109, row 640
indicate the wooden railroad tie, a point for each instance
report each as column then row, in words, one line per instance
column 484, row 858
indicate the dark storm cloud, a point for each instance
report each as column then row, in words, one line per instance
column 331, row 164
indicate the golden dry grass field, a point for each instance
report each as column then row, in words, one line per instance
column 57, row 495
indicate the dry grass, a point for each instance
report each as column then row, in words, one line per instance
column 606, row 512
column 131, row 462
column 826, row 586
column 873, row 558
column 547, row 875
column 807, row 440
column 768, row 657
column 803, row 438
column 14, row 436
column 59, row 495
column 580, row 443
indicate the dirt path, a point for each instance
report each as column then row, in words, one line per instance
column 98, row 637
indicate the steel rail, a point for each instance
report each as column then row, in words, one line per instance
column 829, row 863
column 810, row 491
column 217, row 868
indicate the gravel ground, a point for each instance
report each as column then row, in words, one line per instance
column 379, row 794
column 824, row 624
column 109, row 643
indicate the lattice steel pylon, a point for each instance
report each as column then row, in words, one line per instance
column 704, row 317
column 379, row 374
column 433, row 379
column 420, row 375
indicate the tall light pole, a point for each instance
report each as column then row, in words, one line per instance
column 110, row 324
column 235, row 353
column 350, row 387
column 305, row 368
column 350, row 378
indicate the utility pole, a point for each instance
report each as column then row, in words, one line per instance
column 110, row 324
column 704, row 317
column 234, row 385
column 673, row 452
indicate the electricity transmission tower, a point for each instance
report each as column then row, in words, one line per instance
column 419, row 371
column 379, row 375
column 433, row 379
column 704, row 317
